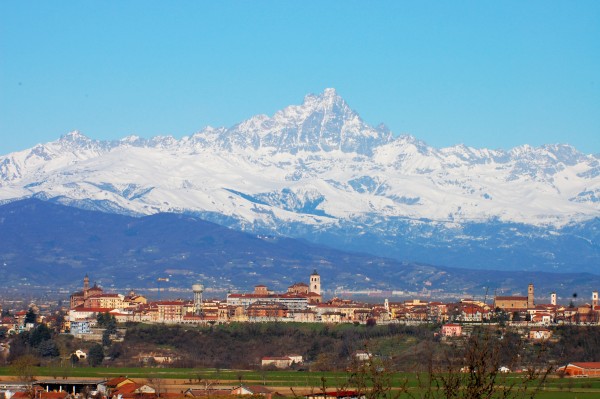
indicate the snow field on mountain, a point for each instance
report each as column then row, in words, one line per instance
column 314, row 163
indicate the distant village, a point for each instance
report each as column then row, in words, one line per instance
column 301, row 303
column 304, row 303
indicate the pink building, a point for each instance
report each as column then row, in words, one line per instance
column 451, row 330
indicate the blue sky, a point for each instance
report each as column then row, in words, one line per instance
column 485, row 74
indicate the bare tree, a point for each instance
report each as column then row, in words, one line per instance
column 156, row 383
column 24, row 367
column 374, row 379
column 474, row 368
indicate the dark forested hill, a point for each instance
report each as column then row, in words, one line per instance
column 45, row 244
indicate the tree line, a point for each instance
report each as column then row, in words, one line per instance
column 324, row 347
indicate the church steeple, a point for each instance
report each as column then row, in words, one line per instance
column 315, row 283
column 530, row 298
column 86, row 285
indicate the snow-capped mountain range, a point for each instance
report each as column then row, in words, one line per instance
column 315, row 170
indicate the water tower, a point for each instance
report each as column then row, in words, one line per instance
column 198, row 290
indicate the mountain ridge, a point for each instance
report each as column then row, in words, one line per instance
column 317, row 169
column 51, row 245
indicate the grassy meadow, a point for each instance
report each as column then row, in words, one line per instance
column 300, row 381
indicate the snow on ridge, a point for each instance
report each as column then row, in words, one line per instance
column 312, row 163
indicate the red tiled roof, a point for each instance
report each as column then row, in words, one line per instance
column 113, row 382
column 53, row 395
column 587, row 365
column 510, row 298
column 126, row 388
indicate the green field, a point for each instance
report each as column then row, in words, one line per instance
column 553, row 388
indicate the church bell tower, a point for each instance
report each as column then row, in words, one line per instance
column 530, row 303
column 86, row 286
column 315, row 283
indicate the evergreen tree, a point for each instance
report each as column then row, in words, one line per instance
column 74, row 359
column 111, row 324
column 101, row 319
column 48, row 348
column 38, row 335
column 96, row 355
column 30, row 317
column 106, row 338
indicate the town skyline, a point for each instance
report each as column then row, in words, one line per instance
column 304, row 302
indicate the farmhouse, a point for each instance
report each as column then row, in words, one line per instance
column 451, row 330
column 587, row 369
column 281, row 362
column 539, row 334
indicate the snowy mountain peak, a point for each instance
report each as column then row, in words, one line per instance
column 330, row 92
column 77, row 142
column 319, row 159
column 323, row 122
column 329, row 100
column 329, row 103
column 74, row 135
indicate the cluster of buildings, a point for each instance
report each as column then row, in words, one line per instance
column 260, row 305
column 123, row 388
column 525, row 308
column 127, row 388
column 304, row 302
column 17, row 322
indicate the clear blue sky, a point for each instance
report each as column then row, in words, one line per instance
column 493, row 74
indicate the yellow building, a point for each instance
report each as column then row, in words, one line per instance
column 515, row 303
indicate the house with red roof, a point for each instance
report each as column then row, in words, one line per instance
column 112, row 384
column 133, row 390
column 253, row 390
column 580, row 369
